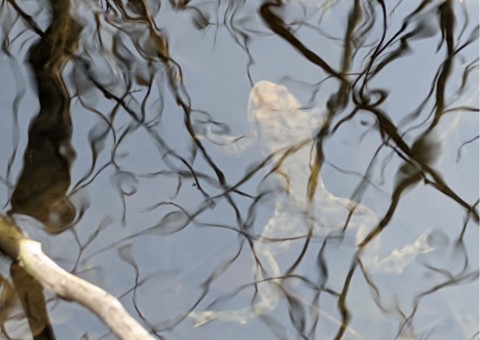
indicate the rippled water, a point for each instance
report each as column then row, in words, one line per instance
column 129, row 152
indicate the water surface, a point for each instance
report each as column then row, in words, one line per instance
column 117, row 148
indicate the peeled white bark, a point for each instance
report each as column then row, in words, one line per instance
column 70, row 287
column 52, row 277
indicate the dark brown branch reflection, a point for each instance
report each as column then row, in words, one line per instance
column 149, row 84
column 41, row 191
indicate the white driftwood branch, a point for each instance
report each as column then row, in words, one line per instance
column 70, row 287
column 65, row 285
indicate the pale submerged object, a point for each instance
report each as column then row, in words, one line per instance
column 278, row 122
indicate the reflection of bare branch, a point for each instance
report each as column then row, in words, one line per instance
column 142, row 82
column 43, row 183
column 471, row 140
column 279, row 27
column 33, row 302
column 450, row 280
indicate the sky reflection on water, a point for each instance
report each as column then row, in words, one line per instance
column 106, row 108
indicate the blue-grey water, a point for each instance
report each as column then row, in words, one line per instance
column 106, row 109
